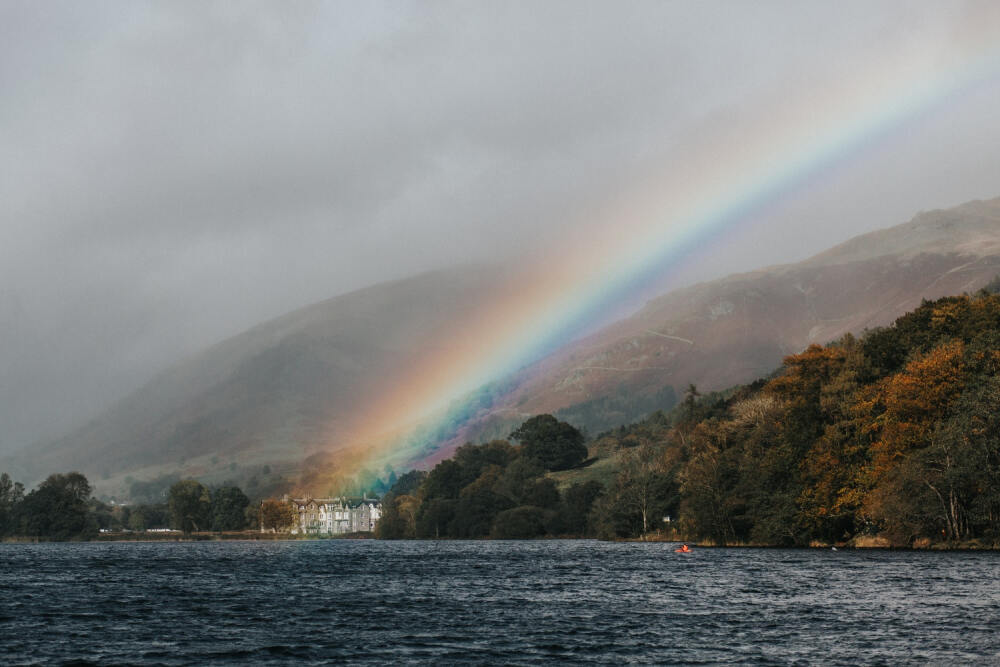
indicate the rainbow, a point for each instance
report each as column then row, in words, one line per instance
column 715, row 181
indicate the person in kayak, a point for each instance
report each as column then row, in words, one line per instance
column 684, row 549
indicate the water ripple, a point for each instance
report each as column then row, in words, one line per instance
column 348, row 602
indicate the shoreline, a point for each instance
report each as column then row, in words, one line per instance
column 862, row 544
column 242, row 536
column 249, row 536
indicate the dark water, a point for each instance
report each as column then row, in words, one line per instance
column 511, row 602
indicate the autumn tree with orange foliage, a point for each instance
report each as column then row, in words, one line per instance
column 892, row 434
column 903, row 411
column 833, row 467
column 277, row 515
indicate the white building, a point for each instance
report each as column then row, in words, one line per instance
column 336, row 516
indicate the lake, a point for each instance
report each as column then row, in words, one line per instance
column 342, row 601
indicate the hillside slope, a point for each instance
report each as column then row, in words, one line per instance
column 729, row 331
column 271, row 395
column 289, row 388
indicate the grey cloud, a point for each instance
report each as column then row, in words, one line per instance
column 174, row 172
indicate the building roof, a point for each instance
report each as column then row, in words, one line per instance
column 343, row 501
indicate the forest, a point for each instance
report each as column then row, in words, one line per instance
column 495, row 490
column 62, row 508
column 891, row 438
column 887, row 439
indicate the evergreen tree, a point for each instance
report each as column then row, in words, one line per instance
column 229, row 506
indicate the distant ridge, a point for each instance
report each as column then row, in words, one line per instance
column 970, row 229
column 271, row 395
column 733, row 330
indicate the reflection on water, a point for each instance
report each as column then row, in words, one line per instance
column 525, row 602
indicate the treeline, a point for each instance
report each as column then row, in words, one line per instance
column 257, row 481
column 495, row 490
column 62, row 508
column 507, row 491
column 894, row 435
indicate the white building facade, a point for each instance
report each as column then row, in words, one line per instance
column 336, row 516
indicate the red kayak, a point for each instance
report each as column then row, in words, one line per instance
column 683, row 550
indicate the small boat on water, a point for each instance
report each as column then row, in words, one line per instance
column 683, row 549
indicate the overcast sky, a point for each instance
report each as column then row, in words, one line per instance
column 172, row 173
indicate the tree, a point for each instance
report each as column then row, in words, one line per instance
column 190, row 506
column 11, row 493
column 577, row 503
column 277, row 516
column 909, row 452
column 391, row 525
column 434, row 517
column 518, row 480
column 691, row 396
column 444, row 481
column 137, row 520
column 643, row 493
column 478, row 505
column 408, row 506
column 557, row 445
column 408, row 483
column 543, row 493
column 980, row 426
column 707, row 482
column 229, row 509
column 519, row 523
column 144, row 517
column 57, row 509
column 251, row 517
column 472, row 459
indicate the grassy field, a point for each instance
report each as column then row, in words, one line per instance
column 603, row 465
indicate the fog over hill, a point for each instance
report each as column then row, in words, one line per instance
column 719, row 333
column 290, row 387
column 175, row 173
column 274, row 394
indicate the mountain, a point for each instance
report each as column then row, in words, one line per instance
column 262, row 402
column 270, row 396
column 729, row 331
